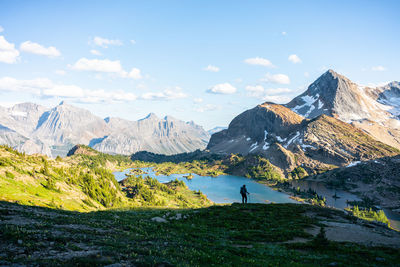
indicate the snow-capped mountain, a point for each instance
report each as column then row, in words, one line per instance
column 334, row 122
column 36, row 129
column 374, row 110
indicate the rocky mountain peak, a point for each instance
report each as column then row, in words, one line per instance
column 256, row 129
column 150, row 116
column 332, row 94
column 169, row 118
column 394, row 84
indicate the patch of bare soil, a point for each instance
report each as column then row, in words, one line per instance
column 341, row 229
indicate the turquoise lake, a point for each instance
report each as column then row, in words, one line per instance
column 225, row 189
column 221, row 189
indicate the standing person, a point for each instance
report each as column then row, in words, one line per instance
column 243, row 192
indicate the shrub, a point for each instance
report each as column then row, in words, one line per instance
column 10, row 175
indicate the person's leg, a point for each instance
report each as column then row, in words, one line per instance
column 242, row 198
column 245, row 198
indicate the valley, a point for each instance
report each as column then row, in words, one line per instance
column 159, row 199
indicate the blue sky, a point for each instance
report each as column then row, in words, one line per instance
column 205, row 61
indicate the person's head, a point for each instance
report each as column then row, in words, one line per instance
column 244, row 185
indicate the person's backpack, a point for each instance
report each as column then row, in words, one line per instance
column 242, row 190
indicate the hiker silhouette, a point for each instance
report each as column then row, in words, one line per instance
column 243, row 192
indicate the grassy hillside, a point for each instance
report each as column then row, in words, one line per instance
column 81, row 182
column 236, row 235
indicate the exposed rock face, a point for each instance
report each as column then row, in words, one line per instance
column 374, row 110
column 288, row 140
column 64, row 126
column 255, row 129
column 11, row 137
column 36, row 129
column 18, row 123
column 163, row 136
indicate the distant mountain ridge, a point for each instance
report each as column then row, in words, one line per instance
column 36, row 129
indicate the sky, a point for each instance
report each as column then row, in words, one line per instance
column 201, row 61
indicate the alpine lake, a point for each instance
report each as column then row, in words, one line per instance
column 225, row 189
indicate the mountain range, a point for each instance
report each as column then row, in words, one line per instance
column 333, row 123
column 33, row 128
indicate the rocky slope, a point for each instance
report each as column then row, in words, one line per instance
column 288, row 140
column 164, row 136
column 381, row 175
column 374, row 110
column 35, row 129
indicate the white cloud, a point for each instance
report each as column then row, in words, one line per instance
column 133, row 42
column 95, row 52
column 107, row 66
column 284, row 33
column 1, row 29
column 222, row 88
column 8, row 53
column 277, row 91
column 279, row 99
column 34, row 86
column 259, row 61
column 255, row 91
column 35, row 48
column 98, row 65
column 46, row 88
column 64, row 91
column 103, row 42
column 276, row 78
column 207, row 107
column 278, row 95
column 198, row 100
column 211, row 68
column 378, row 68
column 97, row 96
column 294, row 59
column 167, row 94
column 8, row 104
column 60, row 72
column 306, row 74
column 135, row 74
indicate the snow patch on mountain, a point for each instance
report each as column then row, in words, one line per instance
column 292, row 139
column 308, row 101
column 253, row 146
column 354, row 163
